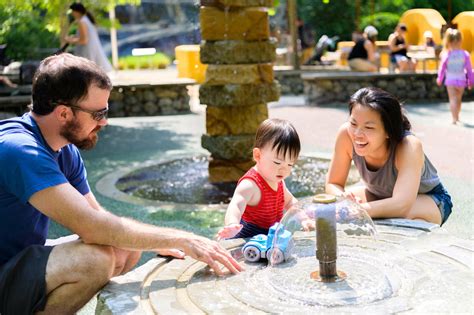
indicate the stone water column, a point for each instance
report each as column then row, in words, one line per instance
column 239, row 81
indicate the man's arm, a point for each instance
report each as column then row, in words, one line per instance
column 93, row 201
column 65, row 205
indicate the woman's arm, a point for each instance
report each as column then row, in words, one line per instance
column 370, row 48
column 83, row 34
column 82, row 38
column 340, row 163
column 409, row 160
column 391, row 42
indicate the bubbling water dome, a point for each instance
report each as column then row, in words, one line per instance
column 328, row 217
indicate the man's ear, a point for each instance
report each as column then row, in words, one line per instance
column 257, row 154
column 62, row 113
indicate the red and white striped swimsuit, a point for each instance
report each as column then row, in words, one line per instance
column 270, row 208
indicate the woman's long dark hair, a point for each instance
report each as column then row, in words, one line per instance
column 391, row 111
column 79, row 7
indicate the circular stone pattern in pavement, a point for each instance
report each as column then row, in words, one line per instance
column 410, row 267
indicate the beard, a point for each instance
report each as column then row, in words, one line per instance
column 70, row 131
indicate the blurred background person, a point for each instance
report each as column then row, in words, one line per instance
column 455, row 71
column 5, row 81
column 86, row 41
column 306, row 37
column 399, row 49
column 363, row 56
column 429, row 41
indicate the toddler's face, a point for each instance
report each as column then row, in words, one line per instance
column 274, row 167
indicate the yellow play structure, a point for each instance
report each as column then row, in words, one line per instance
column 420, row 20
column 465, row 22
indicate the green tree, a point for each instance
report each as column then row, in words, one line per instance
column 384, row 22
column 334, row 17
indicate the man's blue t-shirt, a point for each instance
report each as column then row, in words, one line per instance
column 29, row 165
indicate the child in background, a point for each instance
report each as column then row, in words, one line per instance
column 429, row 45
column 261, row 195
column 456, row 71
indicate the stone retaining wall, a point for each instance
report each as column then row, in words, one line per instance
column 291, row 82
column 125, row 100
column 148, row 100
column 321, row 88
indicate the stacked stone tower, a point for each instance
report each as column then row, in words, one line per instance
column 239, row 81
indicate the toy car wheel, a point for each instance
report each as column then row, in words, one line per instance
column 275, row 256
column 252, row 253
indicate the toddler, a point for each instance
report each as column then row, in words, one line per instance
column 456, row 71
column 261, row 195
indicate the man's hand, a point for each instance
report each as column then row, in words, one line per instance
column 211, row 253
column 176, row 253
column 229, row 231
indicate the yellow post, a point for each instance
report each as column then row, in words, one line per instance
column 188, row 63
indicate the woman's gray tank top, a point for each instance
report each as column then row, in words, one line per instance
column 382, row 181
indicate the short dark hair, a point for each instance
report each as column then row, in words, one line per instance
column 280, row 134
column 65, row 78
column 391, row 111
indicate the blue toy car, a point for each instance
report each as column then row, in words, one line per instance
column 261, row 246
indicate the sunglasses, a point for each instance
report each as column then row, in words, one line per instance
column 96, row 115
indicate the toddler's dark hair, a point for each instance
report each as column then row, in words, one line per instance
column 280, row 135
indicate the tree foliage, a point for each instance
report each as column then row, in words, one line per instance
column 384, row 22
column 26, row 35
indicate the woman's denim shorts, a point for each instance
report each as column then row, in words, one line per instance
column 442, row 200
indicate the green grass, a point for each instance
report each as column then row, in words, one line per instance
column 205, row 223
column 156, row 61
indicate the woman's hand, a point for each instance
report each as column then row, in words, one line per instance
column 70, row 39
column 350, row 195
column 308, row 225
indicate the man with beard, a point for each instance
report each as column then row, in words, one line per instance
column 43, row 177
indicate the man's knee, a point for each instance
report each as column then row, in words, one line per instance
column 98, row 261
column 78, row 262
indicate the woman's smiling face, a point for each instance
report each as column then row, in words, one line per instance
column 367, row 131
